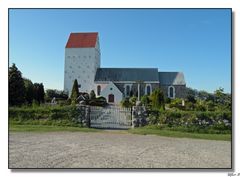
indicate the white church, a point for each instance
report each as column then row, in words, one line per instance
column 83, row 61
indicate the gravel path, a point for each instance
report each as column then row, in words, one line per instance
column 114, row 150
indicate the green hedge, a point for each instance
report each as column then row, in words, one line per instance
column 193, row 121
column 45, row 115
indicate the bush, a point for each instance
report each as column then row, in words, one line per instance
column 45, row 115
column 133, row 100
column 126, row 103
column 194, row 121
column 145, row 100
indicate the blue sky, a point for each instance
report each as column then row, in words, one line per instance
column 194, row 41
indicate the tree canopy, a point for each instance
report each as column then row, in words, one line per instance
column 16, row 86
column 75, row 92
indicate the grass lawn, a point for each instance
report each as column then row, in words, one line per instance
column 179, row 134
column 48, row 128
column 141, row 131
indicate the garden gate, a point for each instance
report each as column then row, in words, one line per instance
column 110, row 117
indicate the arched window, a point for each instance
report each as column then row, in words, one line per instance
column 171, row 92
column 148, row 89
column 127, row 90
column 98, row 90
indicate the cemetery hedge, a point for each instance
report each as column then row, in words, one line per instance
column 44, row 115
column 192, row 121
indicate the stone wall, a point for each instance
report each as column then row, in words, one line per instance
column 83, row 116
column 139, row 116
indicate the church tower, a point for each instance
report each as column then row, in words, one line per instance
column 82, row 58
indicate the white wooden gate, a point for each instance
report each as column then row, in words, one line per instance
column 110, row 117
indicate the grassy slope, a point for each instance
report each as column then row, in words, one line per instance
column 142, row 131
column 48, row 128
column 170, row 133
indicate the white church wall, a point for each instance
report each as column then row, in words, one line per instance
column 112, row 89
column 81, row 64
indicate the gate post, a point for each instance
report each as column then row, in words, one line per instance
column 88, row 116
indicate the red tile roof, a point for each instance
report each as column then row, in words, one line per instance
column 82, row 40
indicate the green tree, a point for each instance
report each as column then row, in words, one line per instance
column 145, row 100
column 191, row 98
column 16, row 86
column 133, row 100
column 75, row 92
column 38, row 92
column 41, row 93
column 92, row 95
column 125, row 103
column 29, row 90
column 157, row 98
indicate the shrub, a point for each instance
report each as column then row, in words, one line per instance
column 145, row 100
column 193, row 121
column 125, row 103
column 133, row 100
column 46, row 115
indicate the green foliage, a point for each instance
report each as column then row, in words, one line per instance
column 29, row 89
column 191, row 98
column 45, row 115
column 193, row 121
column 133, row 100
column 16, row 86
column 99, row 101
column 92, row 95
column 125, row 103
column 145, row 100
column 38, row 92
column 75, row 92
column 176, row 103
column 157, row 99
column 59, row 95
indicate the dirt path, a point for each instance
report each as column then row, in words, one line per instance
column 114, row 150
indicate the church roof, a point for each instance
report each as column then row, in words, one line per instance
column 126, row 74
column 82, row 40
column 171, row 78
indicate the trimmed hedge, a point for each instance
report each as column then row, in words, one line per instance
column 193, row 121
column 46, row 115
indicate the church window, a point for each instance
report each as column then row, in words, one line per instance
column 79, row 85
column 111, row 88
column 171, row 92
column 127, row 90
column 98, row 90
column 148, row 90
